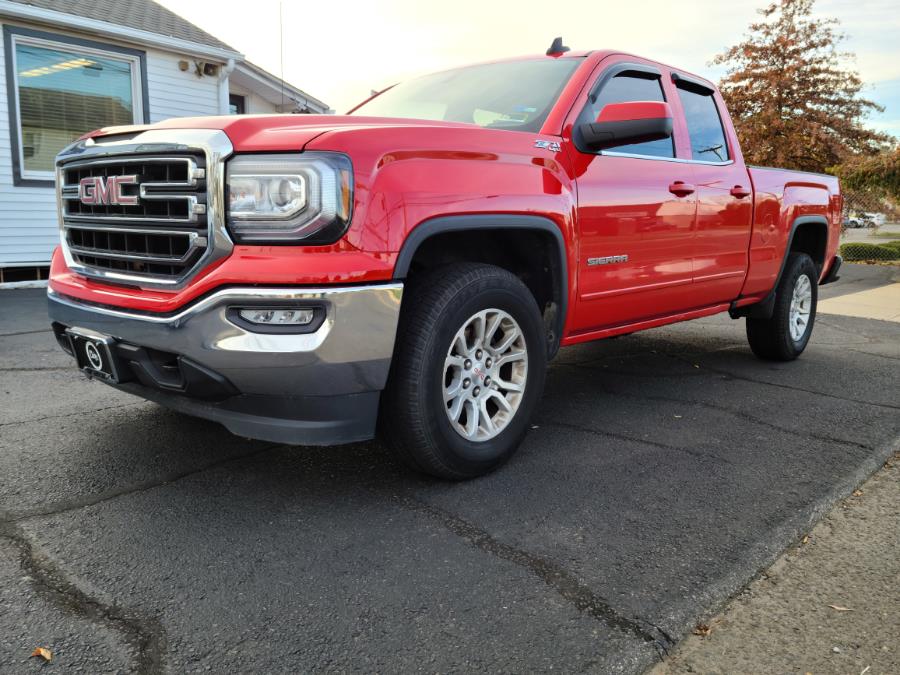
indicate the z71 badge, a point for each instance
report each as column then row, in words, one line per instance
column 553, row 146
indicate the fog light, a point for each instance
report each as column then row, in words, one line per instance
column 263, row 316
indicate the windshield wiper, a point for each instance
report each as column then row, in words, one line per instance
column 713, row 148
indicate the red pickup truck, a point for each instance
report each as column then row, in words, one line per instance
column 413, row 265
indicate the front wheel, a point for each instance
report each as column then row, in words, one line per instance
column 467, row 373
column 784, row 336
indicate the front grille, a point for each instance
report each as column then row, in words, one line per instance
column 156, row 252
column 153, row 224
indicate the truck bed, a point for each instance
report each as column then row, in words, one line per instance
column 781, row 196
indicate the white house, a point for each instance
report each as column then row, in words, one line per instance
column 69, row 66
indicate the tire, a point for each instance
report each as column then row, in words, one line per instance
column 438, row 308
column 782, row 337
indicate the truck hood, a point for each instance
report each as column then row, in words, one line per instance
column 272, row 133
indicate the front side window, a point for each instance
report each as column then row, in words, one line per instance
column 704, row 125
column 516, row 95
column 62, row 91
column 625, row 88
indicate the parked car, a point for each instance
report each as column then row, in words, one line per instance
column 413, row 265
column 874, row 219
column 864, row 219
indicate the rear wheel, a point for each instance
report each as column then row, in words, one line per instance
column 467, row 373
column 784, row 336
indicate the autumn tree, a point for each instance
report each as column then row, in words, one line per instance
column 794, row 102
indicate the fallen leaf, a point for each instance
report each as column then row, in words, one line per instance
column 805, row 540
column 43, row 652
column 702, row 630
column 838, row 608
column 857, row 493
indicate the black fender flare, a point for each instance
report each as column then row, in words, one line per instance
column 764, row 308
column 496, row 221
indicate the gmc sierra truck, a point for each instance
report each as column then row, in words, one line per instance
column 413, row 265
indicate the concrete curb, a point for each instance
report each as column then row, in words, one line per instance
column 780, row 538
column 13, row 285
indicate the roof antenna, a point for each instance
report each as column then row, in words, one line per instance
column 557, row 48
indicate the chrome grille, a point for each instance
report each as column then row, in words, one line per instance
column 134, row 250
column 162, row 236
column 169, row 188
column 176, row 228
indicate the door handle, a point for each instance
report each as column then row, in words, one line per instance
column 740, row 192
column 681, row 189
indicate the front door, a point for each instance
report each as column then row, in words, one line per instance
column 636, row 212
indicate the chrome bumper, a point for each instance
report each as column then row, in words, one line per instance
column 278, row 378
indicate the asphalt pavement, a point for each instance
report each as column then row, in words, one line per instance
column 664, row 471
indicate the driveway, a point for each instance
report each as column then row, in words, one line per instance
column 663, row 471
column 885, row 233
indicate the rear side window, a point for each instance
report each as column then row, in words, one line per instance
column 704, row 125
column 623, row 88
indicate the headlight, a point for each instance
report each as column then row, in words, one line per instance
column 299, row 198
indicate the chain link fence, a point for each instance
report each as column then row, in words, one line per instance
column 868, row 209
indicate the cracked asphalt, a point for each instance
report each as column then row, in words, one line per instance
column 664, row 471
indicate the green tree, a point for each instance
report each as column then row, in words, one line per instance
column 793, row 101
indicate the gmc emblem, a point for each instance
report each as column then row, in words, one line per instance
column 99, row 191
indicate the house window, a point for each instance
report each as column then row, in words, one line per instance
column 237, row 104
column 62, row 88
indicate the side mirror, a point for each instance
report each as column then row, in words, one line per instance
column 625, row 123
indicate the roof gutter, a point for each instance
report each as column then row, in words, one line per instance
column 275, row 85
column 48, row 16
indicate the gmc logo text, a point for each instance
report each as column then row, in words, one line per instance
column 99, row 191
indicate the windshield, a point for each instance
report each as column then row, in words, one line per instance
column 514, row 95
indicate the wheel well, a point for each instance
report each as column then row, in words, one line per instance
column 532, row 255
column 811, row 238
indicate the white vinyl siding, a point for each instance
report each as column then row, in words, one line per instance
column 176, row 93
column 28, row 222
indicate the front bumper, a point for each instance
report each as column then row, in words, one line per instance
column 318, row 388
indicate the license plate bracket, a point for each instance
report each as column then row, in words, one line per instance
column 95, row 354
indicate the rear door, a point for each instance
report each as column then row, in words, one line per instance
column 635, row 214
column 724, row 196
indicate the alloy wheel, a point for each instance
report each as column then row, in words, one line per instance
column 485, row 373
column 801, row 307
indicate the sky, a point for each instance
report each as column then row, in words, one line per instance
column 341, row 50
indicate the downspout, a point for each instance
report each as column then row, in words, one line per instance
column 224, row 72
